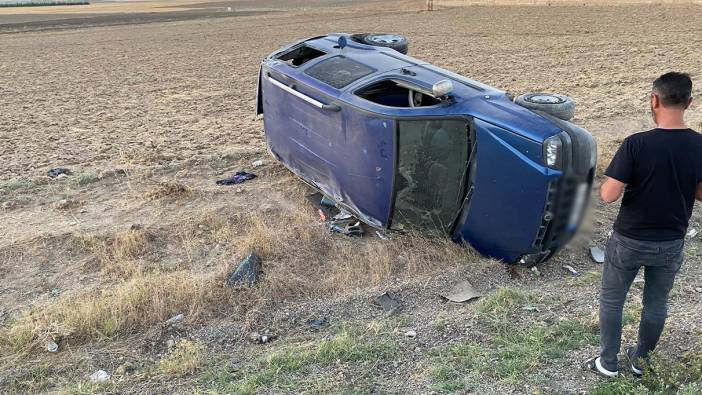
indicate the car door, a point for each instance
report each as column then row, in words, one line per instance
column 345, row 153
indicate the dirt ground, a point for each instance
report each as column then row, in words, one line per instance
column 148, row 114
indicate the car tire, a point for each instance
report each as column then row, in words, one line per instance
column 395, row 41
column 560, row 106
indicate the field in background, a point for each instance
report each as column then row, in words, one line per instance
column 148, row 116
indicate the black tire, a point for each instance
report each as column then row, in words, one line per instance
column 390, row 40
column 560, row 106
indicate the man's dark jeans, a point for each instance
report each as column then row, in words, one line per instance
column 623, row 259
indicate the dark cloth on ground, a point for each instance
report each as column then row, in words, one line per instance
column 237, row 178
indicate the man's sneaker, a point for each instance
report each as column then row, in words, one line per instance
column 594, row 365
column 633, row 361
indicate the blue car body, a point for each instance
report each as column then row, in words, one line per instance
column 338, row 117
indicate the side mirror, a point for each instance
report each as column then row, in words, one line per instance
column 442, row 88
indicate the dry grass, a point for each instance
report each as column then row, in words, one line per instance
column 185, row 358
column 167, row 189
column 132, row 305
column 300, row 259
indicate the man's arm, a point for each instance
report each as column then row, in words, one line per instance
column 698, row 195
column 611, row 190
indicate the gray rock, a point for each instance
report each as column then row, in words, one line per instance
column 52, row 347
column 247, row 271
column 99, row 376
column 175, row 320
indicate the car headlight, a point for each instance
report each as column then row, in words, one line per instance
column 553, row 152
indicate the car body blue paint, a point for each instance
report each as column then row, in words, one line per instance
column 351, row 154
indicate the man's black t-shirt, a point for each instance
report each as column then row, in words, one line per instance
column 662, row 168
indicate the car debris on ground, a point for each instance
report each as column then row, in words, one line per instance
column 462, row 292
column 237, row 178
column 261, row 338
column 57, row 171
column 99, row 376
column 571, row 270
column 389, row 302
column 52, row 347
column 316, row 324
column 247, row 271
column 597, row 254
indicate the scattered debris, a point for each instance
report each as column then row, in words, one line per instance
column 571, row 269
column 327, row 201
column 343, row 215
column 530, row 308
column 261, row 338
column 99, row 376
column 535, row 271
column 389, row 302
column 57, row 171
column 462, row 292
column 382, row 235
column 247, row 271
column 52, row 346
column 411, row 333
column 257, row 163
column 237, row 178
column 322, row 215
column 597, row 254
column 318, row 323
column 349, row 229
column 692, row 232
column 176, row 319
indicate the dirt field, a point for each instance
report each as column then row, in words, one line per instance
column 147, row 116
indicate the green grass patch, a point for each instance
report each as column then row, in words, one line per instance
column 18, row 184
column 288, row 368
column 682, row 376
column 87, row 178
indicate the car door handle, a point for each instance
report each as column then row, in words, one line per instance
column 312, row 101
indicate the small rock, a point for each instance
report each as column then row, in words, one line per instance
column 257, row 163
column 411, row 333
column 570, row 269
column 175, row 320
column 73, row 223
column 239, row 190
column 692, row 233
column 530, row 308
column 99, row 376
column 698, row 289
column 247, row 272
column 170, row 343
column 52, row 347
column 535, row 271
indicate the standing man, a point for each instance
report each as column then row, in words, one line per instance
column 660, row 174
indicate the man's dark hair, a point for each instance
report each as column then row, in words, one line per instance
column 673, row 89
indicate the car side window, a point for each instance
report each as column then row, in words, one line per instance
column 299, row 55
column 338, row 71
column 394, row 93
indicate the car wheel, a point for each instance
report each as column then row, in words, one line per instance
column 560, row 106
column 395, row 41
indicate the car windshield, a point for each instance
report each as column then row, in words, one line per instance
column 430, row 182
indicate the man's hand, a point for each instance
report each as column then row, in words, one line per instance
column 611, row 190
column 698, row 194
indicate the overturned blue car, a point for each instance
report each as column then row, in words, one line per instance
column 404, row 145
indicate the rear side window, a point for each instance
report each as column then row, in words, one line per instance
column 300, row 55
column 338, row 71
